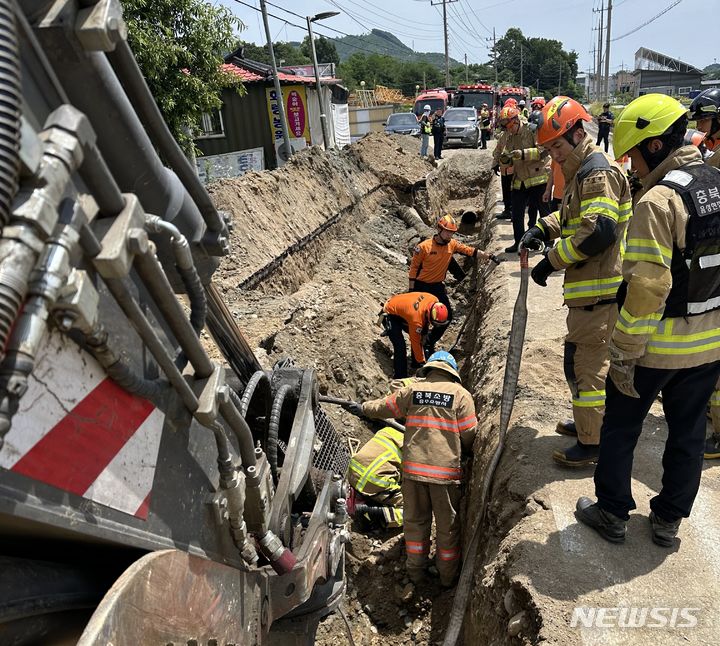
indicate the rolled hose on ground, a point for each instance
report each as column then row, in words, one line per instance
column 271, row 450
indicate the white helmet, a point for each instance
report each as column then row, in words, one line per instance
column 426, row 108
column 521, row 102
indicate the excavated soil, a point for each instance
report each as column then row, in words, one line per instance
column 319, row 303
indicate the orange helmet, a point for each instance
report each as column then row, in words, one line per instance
column 448, row 223
column 559, row 115
column 507, row 114
column 439, row 314
column 510, row 103
column 539, row 102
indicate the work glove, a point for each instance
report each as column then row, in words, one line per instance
column 533, row 238
column 496, row 169
column 516, row 154
column 622, row 371
column 354, row 408
column 506, row 158
column 492, row 257
column 541, row 271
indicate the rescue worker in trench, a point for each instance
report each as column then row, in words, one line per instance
column 429, row 267
column 591, row 223
column 705, row 111
column 415, row 313
column 529, row 171
column 667, row 338
column 439, row 429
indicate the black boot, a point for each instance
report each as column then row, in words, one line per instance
column 609, row 526
column 566, row 428
column 663, row 532
column 512, row 248
column 712, row 447
column 577, row 455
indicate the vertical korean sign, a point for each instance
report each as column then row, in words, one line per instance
column 295, row 101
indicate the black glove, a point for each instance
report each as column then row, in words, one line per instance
column 495, row 259
column 533, row 238
column 496, row 169
column 355, row 408
column 541, row 271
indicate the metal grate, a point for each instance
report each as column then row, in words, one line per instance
column 330, row 452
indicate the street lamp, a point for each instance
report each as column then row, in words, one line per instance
column 323, row 119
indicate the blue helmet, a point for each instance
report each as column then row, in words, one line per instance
column 441, row 360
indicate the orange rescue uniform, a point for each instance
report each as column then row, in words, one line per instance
column 430, row 260
column 414, row 307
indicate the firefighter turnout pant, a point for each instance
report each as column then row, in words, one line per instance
column 685, row 393
column 586, row 363
column 422, row 500
column 438, row 290
column 530, row 197
column 391, row 504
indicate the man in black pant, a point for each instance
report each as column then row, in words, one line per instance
column 438, row 133
column 605, row 122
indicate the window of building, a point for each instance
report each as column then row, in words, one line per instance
column 685, row 90
column 211, row 125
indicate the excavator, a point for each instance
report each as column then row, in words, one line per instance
column 149, row 494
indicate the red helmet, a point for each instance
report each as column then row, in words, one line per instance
column 507, row 114
column 439, row 314
column 539, row 102
column 558, row 116
column 448, row 223
column 510, row 103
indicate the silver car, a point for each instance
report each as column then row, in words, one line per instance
column 461, row 127
column 402, row 123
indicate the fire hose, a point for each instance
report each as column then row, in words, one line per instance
column 510, row 381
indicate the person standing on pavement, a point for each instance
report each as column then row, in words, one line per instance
column 591, row 225
column 438, row 133
column 440, row 428
column 529, row 172
column 605, row 122
column 414, row 313
column 425, row 130
column 667, row 337
column 485, row 125
column 429, row 266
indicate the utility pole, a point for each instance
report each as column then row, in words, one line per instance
column 445, row 30
column 521, row 65
column 323, row 117
column 607, row 51
column 466, row 70
column 559, row 78
column 598, row 68
column 278, row 90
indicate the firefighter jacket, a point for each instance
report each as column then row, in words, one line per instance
column 531, row 169
column 375, row 468
column 591, row 224
column 440, row 425
column 657, row 231
column 414, row 307
column 506, row 168
column 430, row 259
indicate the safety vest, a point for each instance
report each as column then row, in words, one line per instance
column 696, row 270
column 376, row 467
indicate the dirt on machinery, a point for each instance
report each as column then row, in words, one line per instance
column 322, row 243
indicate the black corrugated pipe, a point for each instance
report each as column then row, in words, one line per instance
column 10, row 101
column 274, row 427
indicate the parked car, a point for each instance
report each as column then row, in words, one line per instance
column 461, row 127
column 402, row 123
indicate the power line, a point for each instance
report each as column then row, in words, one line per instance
column 647, row 22
column 480, row 22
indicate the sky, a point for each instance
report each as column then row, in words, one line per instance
column 680, row 33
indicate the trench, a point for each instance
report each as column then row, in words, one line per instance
column 317, row 302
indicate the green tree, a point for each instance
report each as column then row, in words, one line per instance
column 324, row 48
column 179, row 46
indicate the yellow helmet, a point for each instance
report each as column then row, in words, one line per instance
column 647, row 116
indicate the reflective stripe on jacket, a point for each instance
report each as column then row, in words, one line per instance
column 375, row 468
column 529, row 171
column 659, row 222
column 440, row 425
column 591, row 225
column 430, row 260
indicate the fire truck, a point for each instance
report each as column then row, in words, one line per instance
column 149, row 494
column 438, row 98
column 477, row 94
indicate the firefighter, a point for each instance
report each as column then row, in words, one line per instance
column 504, row 168
column 529, row 172
column 591, row 223
column 437, row 128
column 440, row 427
column 415, row 313
column 524, row 114
column 374, row 473
column 667, row 338
column 705, row 111
column 429, row 266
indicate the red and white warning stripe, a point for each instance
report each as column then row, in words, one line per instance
column 78, row 431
